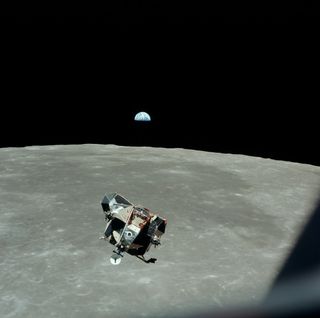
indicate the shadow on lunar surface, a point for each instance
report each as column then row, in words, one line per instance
column 231, row 221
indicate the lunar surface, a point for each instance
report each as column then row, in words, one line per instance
column 232, row 220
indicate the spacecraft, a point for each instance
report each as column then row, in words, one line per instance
column 132, row 229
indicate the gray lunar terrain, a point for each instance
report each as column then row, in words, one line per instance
column 232, row 220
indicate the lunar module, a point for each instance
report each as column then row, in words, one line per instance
column 130, row 228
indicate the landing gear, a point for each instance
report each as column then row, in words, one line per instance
column 115, row 258
column 150, row 260
column 155, row 242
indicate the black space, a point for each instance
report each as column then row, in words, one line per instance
column 227, row 77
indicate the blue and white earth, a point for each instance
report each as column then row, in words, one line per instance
column 142, row 116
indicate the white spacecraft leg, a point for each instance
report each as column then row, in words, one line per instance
column 115, row 259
